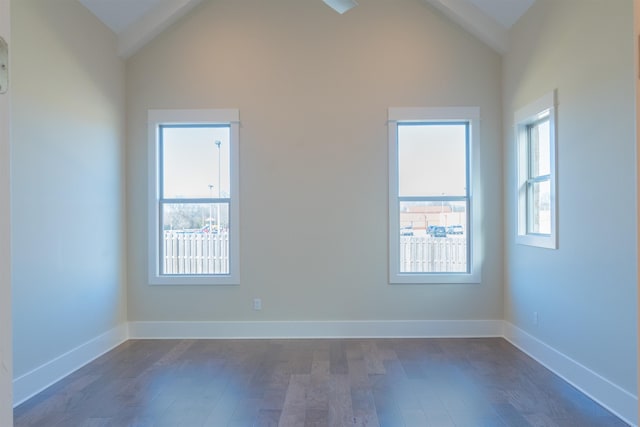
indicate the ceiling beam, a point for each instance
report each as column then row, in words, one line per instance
column 149, row 26
column 475, row 22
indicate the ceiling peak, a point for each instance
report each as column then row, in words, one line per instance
column 140, row 21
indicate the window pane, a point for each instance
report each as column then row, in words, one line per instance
column 432, row 159
column 195, row 161
column 195, row 238
column 433, row 237
column 540, row 208
column 540, row 148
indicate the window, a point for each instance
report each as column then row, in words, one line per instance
column 193, row 206
column 536, row 191
column 433, row 213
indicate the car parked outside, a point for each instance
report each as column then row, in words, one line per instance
column 439, row 231
column 406, row 231
column 455, row 229
column 212, row 230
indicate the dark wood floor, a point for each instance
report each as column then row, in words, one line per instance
column 395, row 382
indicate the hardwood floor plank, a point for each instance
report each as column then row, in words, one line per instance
column 246, row 413
column 387, row 409
column 363, row 382
column 294, row 411
column 373, row 357
column 340, row 405
column 338, row 357
column 414, row 417
column 223, row 410
column 434, row 410
column 510, row 415
column 317, row 396
column 357, row 371
column 267, row 418
column 273, row 399
column 316, row 418
column 364, row 407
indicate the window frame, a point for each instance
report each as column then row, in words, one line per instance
column 471, row 116
column 205, row 117
column 524, row 119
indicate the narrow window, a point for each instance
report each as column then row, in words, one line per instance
column 536, row 191
column 431, row 231
column 539, row 180
column 194, row 201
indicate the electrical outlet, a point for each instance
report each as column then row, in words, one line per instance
column 257, row 304
column 535, row 318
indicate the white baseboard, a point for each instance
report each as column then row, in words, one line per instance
column 319, row 329
column 33, row 382
column 611, row 396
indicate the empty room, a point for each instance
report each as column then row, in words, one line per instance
column 318, row 213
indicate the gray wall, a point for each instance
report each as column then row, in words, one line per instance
column 67, row 180
column 585, row 292
column 313, row 89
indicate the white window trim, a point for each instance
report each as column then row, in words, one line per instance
column 156, row 118
column 403, row 115
column 522, row 118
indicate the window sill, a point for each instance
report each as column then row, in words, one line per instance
column 433, row 278
column 540, row 241
column 186, row 280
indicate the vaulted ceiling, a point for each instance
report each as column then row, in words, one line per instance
column 138, row 22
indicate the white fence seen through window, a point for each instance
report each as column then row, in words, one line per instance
column 427, row 254
column 192, row 253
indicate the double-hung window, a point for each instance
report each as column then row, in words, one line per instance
column 433, row 209
column 536, row 189
column 193, row 197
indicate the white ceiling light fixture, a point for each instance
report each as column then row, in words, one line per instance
column 341, row 6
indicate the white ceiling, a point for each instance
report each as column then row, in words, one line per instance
column 120, row 14
column 136, row 22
